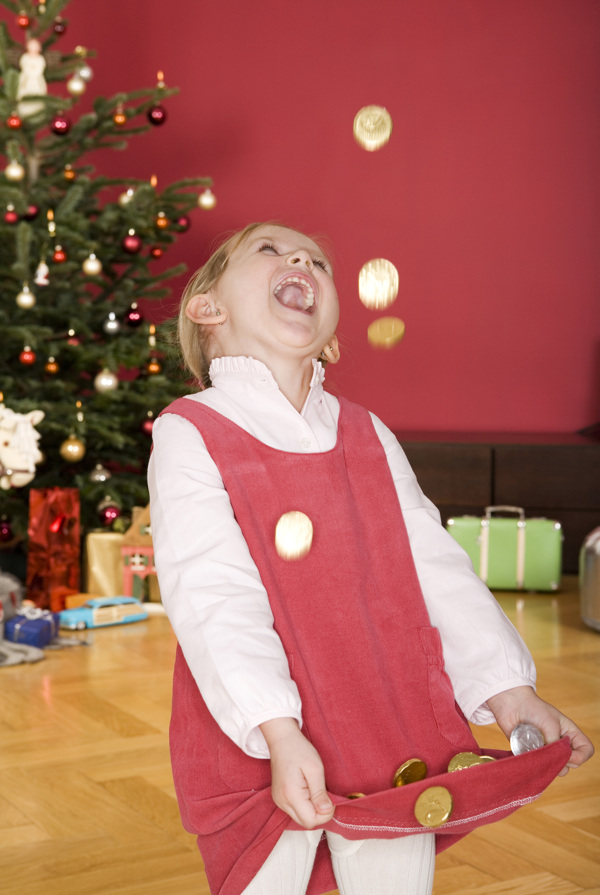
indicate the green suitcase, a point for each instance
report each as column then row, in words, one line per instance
column 510, row 553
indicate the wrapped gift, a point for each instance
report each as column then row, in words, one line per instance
column 103, row 566
column 34, row 627
column 53, row 553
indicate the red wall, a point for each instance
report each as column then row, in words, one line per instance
column 486, row 199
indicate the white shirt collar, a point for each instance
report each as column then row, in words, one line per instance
column 226, row 373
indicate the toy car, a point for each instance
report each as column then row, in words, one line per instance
column 102, row 611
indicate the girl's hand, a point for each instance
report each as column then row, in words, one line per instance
column 297, row 774
column 522, row 705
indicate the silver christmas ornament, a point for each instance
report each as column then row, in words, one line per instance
column 106, row 381
column 111, row 325
column 25, row 299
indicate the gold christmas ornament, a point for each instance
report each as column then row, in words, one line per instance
column 25, row 299
column 385, row 332
column 14, row 171
column 92, row 266
column 126, row 197
column 433, row 807
column 378, row 283
column 293, row 535
column 69, row 174
column 207, row 199
column 106, row 381
column 72, row 449
column 76, row 85
column 372, row 127
column 51, row 366
column 162, row 220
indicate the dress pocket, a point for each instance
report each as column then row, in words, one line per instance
column 451, row 723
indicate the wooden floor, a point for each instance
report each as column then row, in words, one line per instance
column 87, row 803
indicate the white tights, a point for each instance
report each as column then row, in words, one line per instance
column 365, row 867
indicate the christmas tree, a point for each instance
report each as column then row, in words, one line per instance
column 77, row 252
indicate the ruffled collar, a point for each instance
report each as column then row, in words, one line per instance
column 224, row 370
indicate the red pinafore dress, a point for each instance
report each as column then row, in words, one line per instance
column 367, row 662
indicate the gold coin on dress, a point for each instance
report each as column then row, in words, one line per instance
column 293, row 535
column 412, row 770
column 372, row 127
column 484, row 759
column 464, row 760
column 385, row 332
column 434, row 806
column 355, row 795
column 378, row 283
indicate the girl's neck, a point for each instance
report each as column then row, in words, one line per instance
column 293, row 379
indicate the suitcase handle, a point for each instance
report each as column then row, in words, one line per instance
column 504, row 509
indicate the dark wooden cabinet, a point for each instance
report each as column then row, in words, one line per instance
column 557, row 476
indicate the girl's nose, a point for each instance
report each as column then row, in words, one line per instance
column 300, row 257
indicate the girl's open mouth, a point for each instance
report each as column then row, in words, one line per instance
column 296, row 292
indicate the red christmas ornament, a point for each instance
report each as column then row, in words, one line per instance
column 147, row 425
column 157, row 115
column 156, row 252
column 58, row 523
column 6, row 532
column 31, row 213
column 59, row 255
column 13, row 122
column 132, row 243
column 108, row 513
column 23, row 20
column 27, row 356
column 59, row 26
column 11, row 216
column 133, row 316
column 184, row 222
column 60, row 124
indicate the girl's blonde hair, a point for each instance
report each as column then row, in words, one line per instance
column 194, row 339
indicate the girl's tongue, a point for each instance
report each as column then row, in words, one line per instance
column 296, row 296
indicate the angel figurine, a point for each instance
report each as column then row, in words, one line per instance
column 31, row 79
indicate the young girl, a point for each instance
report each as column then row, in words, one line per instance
column 304, row 681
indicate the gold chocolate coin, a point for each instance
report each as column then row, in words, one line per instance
column 464, row 760
column 434, row 806
column 372, row 127
column 378, row 283
column 484, row 759
column 355, row 795
column 412, row 770
column 385, row 332
column 293, row 535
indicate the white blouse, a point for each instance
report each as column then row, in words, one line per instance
column 212, row 591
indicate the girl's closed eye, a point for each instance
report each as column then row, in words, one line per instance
column 269, row 247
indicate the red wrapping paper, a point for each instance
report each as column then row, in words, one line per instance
column 53, row 554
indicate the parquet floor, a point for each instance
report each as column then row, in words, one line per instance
column 87, row 803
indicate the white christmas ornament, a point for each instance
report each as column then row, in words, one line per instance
column 19, row 450
column 92, row 266
column 126, row 197
column 31, row 80
column 106, row 381
column 111, row 325
column 41, row 275
column 14, row 171
column 85, row 73
column 76, row 85
column 207, row 200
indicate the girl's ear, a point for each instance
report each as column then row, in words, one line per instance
column 201, row 309
column 331, row 351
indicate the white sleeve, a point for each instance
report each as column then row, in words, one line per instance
column 483, row 652
column 212, row 591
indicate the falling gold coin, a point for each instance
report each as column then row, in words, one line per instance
column 355, row 795
column 412, row 770
column 372, row 127
column 385, row 332
column 293, row 535
column 434, row 806
column 378, row 283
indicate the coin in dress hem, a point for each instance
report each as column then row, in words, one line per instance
column 433, row 807
column 410, row 772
